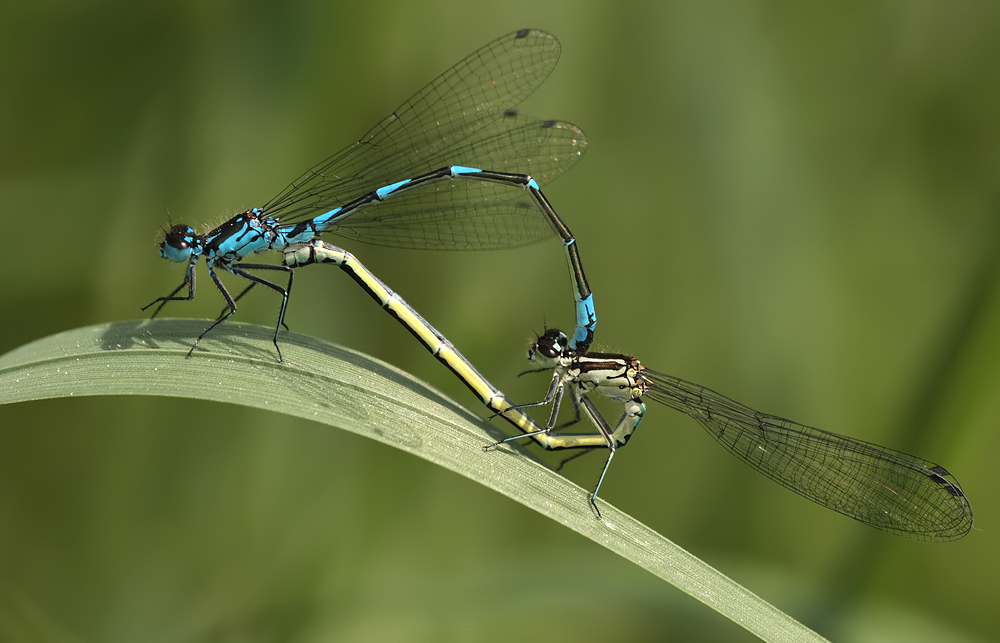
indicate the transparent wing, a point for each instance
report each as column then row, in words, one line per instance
column 881, row 487
column 471, row 214
column 473, row 94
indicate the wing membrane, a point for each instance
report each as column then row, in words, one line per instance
column 473, row 94
column 881, row 487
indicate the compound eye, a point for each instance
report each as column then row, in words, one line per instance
column 549, row 348
column 178, row 244
column 179, row 237
column 552, row 343
column 550, row 351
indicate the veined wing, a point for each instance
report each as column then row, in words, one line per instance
column 473, row 94
column 881, row 487
column 465, row 213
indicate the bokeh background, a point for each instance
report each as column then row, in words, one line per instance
column 796, row 205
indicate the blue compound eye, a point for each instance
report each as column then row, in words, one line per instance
column 178, row 244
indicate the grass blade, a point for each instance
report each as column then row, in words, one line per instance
column 352, row 391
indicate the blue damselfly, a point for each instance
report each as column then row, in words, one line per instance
column 448, row 169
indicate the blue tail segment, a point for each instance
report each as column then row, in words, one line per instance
column 586, row 315
column 586, row 322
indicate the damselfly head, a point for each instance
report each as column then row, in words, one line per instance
column 178, row 244
column 548, row 348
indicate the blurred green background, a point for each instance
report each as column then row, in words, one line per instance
column 795, row 205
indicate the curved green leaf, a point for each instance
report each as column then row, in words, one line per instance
column 352, row 391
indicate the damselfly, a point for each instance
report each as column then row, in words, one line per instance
column 881, row 487
column 448, row 169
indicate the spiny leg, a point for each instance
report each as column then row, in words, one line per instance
column 229, row 301
column 607, row 432
column 245, row 291
column 553, row 395
column 241, row 271
column 237, row 298
column 188, row 280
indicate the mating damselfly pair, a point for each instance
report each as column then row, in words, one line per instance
column 457, row 167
